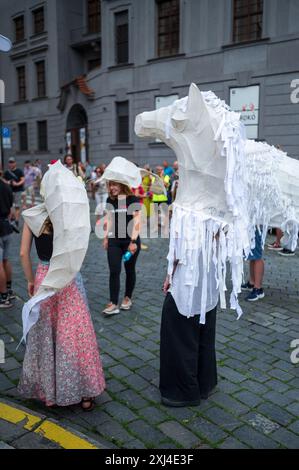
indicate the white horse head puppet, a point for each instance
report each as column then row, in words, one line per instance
column 228, row 186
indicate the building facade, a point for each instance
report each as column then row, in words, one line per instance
column 81, row 70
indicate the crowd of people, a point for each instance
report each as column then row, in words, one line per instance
column 120, row 190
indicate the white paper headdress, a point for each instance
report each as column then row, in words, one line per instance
column 228, row 186
column 122, row 171
column 66, row 204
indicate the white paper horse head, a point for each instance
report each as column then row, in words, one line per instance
column 224, row 178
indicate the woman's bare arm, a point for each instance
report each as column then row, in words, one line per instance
column 25, row 257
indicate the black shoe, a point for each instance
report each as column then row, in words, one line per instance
column 11, row 294
column 5, row 303
column 286, row 252
column 174, row 403
column 205, row 396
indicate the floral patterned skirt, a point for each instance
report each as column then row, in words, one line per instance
column 62, row 362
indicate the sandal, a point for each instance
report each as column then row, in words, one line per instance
column 86, row 401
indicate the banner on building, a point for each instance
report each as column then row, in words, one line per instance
column 245, row 100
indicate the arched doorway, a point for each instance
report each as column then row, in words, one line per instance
column 76, row 133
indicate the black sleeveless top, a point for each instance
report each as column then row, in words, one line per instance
column 44, row 246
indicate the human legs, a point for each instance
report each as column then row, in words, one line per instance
column 130, row 267
column 115, row 253
column 187, row 356
column 257, row 268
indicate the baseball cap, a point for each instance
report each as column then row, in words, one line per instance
column 5, row 44
column 11, row 160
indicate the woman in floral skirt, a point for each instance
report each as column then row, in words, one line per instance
column 62, row 365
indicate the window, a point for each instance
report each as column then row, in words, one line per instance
column 93, row 64
column 23, row 137
column 19, row 28
column 94, row 16
column 42, row 136
column 38, row 20
column 21, row 76
column 248, row 20
column 122, row 37
column 245, row 100
column 168, row 27
column 41, row 78
column 122, row 113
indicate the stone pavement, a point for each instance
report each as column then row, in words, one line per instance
column 256, row 403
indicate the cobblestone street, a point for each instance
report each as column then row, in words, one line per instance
column 256, row 402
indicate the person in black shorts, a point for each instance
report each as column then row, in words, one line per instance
column 15, row 178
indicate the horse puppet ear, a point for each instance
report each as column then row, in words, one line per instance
column 196, row 107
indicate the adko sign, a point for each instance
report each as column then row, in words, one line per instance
column 245, row 100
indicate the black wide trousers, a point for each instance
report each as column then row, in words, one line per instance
column 188, row 368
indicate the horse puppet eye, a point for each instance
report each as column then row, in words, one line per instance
column 179, row 120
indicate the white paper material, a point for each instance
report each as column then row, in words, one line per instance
column 122, row 171
column 66, row 204
column 224, row 178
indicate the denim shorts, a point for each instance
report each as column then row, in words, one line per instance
column 4, row 247
column 257, row 251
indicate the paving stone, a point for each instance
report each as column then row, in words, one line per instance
column 120, row 412
column 286, row 438
column 5, row 384
column 222, row 418
column 277, row 398
column 249, row 398
column 10, row 431
column 295, row 427
column 281, row 375
column 132, row 399
column 114, row 432
column 232, row 443
column 146, row 433
column 275, row 413
column 153, row 415
column 34, row 441
column 3, row 445
column 254, row 439
column 115, row 386
column 148, row 373
column 229, row 404
column 136, row 382
column 261, row 423
column 207, row 430
column 10, row 364
column 119, row 371
column 132, row 362
column 294, row 409
column 277, row 385
column 231, row 375
column 179, row 434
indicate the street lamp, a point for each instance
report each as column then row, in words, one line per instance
column 5, row 46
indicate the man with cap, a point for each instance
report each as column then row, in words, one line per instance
column 15, row 178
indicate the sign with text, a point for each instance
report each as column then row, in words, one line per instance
column 245, row 100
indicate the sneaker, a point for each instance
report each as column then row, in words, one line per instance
column 5, row 303
column 111, row 309
column 143, row 246
column 247, row 286
column 286, row 252
column 255, row 294
column 275, row 246
column 126, row 304
column 11, row 294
